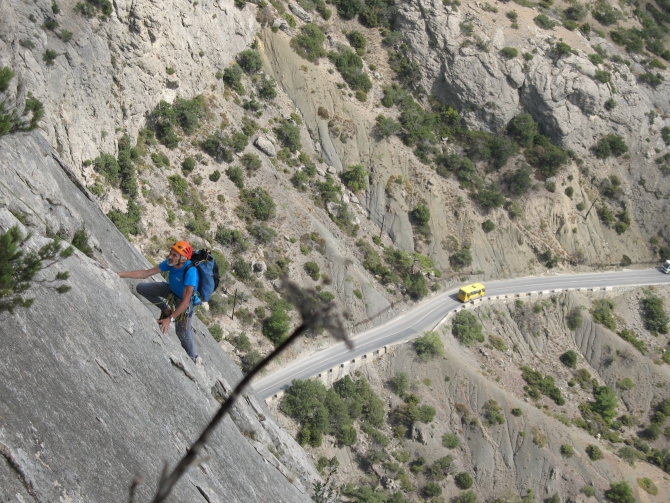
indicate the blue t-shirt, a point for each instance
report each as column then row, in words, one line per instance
column 178, row 279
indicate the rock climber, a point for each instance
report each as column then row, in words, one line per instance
column 178, row 291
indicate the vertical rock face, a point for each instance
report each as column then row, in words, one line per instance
column 561, row 93
column 112, row 72
column 93, row 394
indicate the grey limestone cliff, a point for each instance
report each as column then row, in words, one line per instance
column 92, row 394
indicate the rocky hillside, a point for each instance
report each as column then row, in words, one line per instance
column 490, row 422
column 444, row 188
column 377, row 151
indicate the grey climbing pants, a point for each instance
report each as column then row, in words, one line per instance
column 156, row 293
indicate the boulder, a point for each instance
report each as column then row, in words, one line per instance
column 281, row 24
column 264, row 144
column 333, row 208
column 260, row 266
column 300, row 13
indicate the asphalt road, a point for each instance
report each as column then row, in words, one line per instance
column 428, row 314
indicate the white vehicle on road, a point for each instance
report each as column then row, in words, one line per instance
column 666, row 267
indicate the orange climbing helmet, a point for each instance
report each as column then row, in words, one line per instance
column 183, row 248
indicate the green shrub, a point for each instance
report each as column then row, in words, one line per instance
column 567, row 450
column 49, row 57
column 232, row 238
column 605, row 403
column 350, row 66
column 426, row 414
column 188, row 165
column 569, row 191
column 603, row 76
column 400, row 383
column 250, row 61
column 544, row 22
column 309, row 43
column 625, row 384
column 239, row 141
column 466, row 497
column 242, row 269
column 596, row 59
column 497, row 342
column 594, row 453
column 420, row 215
column 91, row 8
column 461, row 258
column 258, row 204
column 466, row 328
column 386, row 126
column 493, row 413
column 251, row 162
column 357, row 41
column 276, row 326
column 215, row 176
column 519, row 181
column 538, row 385
column 545, row 156
column 620, row 492
column 655, row 318
column 630, row 337
column 450, row 440
column 415, row 285
column 653, row 79
column 603, row 314
column 27, row 43
column 509, row 52
column 610, row 145
column 432, row 490
column 355, row 178
column 576, row 12
column 313, row 270
column 250, row 361
column 569, row 359
column 463, row 480
column 266, row 88
column 50, row 24
column 289, row 136
column 80, row 241
column 242, row 342
column 588, row 491
column 523, row 129
column 574, row 319
column 428, row 346
column 232, row 76
column 561, row 49
column 65, row 35
column 665, row 135
column 517, row 412
column 648, row 485
column 236, row 175
column 488, row 226
column 216, row 331
column 262, row 233
column 489, row 197
column 128, row 222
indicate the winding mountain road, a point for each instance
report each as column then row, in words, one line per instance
column 428, row 314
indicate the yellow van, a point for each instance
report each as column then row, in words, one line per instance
column 470, row 292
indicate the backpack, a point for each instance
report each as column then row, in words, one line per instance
column 208, row 273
